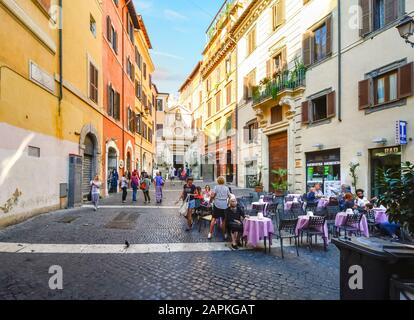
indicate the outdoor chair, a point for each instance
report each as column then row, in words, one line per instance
column 352, row 225
column 311, row 206
column 331, row 212
column 315, row 228
column 371, row 220
column 287, row 230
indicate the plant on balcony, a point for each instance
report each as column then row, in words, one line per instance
column 352, row 172
column 280, row 185
column 397, row 194
column 264, row 81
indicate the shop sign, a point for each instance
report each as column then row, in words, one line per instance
column 401, row 132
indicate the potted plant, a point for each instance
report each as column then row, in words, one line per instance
column 398, row 195
column 259, row 183
column 280, row 185
column 352, row 172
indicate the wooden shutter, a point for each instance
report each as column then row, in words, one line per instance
column 246, row 134
column 278, row 14
column 269, row 69
column 255, row 131
column 364, row 94
column 305, row 112
column 331, row 105
column 284, row 65
column 391, row 10
column 405, row 81
column 307, row 49
column 329, row 36
column 117, row 106
column 246, row 88
column 110, row 100
column 366, row 9
column 108, row 29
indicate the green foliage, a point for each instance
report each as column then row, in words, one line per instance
column 352, row 172
column 398, row 194
column 280, row 183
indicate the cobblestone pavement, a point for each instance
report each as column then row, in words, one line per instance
column 247, row 274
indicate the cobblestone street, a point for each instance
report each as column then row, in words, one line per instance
column 182, row 271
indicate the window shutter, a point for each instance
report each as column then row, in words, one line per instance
column 366, row 9
column 108, row 29
column 284, row 59
column 331, row 105
column 329, row 36
column 364, row 94
column 305, row 112
column 115, row 40
column 405, row 81
column 278, row 14
column 307, row 50
column 391, row 10
column 256, row 132
column 117, row 105
column 246, row 88
column 246, row 134
column 110, row 100
column 269, row 69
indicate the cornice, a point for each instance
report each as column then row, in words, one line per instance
column 248, row 18
column 228, row 45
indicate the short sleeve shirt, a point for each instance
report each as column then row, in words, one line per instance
column 222, row 193
column 189, row 190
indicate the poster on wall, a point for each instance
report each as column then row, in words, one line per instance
column 332, row 188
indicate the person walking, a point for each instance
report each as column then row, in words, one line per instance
column 145, row 184
column 124, row 187
column 159, row 183
column 134, row 185
column 220, row 197
column 95, row 191
column 114, row 181
column 189, row 190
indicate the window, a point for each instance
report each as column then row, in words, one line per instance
column 33, row 152
column 93, row 83
column 228, row 65
column 218, row 102
column 130, row 69
column 249, row 83
column 138, row 124
column 111, row 34
column 320, row 108
column 138, row 58
column 113, row 103
column 251, row 41
column 130, row 120
column 276, row 114
column 209, row 108
column 116, row 2
column 131, row 30
column 145, row 71
column 317, row 43
column 160, row 106
column 200, row 96
column 251, row 132
column 229, row 124
column 228, row 94
column 92, row 25
column 150, row 135
column 208, row 85
column 278, row 14
column 386, row 87
column 160, row 129
column 377, row 14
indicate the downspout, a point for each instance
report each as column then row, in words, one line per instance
column 60, row 55
column 339, row 63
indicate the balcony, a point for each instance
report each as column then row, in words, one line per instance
column 289, row 83
column 219, row 19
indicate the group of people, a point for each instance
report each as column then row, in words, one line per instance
column 222, row 204
column 135, row 181
column 180, row 174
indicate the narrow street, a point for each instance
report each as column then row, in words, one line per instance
column 162, row 262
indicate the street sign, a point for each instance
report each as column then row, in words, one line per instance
column 401, row 132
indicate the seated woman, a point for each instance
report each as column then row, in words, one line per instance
column 206, row 196
column 348, row 202
column 234, row 221
column 311, row 196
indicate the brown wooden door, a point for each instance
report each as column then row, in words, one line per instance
column 278, row 148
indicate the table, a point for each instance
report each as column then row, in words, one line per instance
column 381, row 215
column 259, row 206
column 255, row 229
column 340, row 220
column 303, row 222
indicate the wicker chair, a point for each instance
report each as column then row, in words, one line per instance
column 315, row 228
column 287, row 230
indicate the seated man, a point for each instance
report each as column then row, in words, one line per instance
column 360, row 200
column 234, row 221
column 318, row 191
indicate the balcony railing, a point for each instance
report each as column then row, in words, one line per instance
column 219, row 18
column 288, row 80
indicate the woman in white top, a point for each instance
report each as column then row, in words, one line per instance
column 95, row 191
column 220, row 195
column 124, row 187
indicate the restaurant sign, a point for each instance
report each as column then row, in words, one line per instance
column 401, row 132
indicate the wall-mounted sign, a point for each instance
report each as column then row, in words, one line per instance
column 121, row 164
column 401, row 132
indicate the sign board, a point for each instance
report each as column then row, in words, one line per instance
column 401, row 132
column 332, row 188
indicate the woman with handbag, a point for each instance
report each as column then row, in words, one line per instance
column 188, row 194
column 95, row 191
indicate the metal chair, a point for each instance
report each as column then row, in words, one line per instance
column 352, row 225
column 331, row 212
column 287, row 230
column 311, row 206
column 371, row 220
column 315, row 228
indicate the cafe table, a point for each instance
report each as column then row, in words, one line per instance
column 340, row 220
column 303, row 222
column 256, row 229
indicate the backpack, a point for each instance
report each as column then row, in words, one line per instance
column 143, row 185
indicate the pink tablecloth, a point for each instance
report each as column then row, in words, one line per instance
column 303, row 222
column 256, row 229
column 380, row 216
column 340, row 220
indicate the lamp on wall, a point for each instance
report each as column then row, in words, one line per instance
column 380, row 141
column 406, row 29
column 318, row 146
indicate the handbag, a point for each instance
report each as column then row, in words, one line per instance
column 184, row 208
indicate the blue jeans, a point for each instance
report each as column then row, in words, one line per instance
column 134, row 194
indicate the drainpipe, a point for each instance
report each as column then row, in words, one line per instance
column 60, row 54
column 236, row 143
column 339, row 63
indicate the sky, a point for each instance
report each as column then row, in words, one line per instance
column 177, row 32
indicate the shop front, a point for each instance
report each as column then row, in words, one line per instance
column 383, row 159
column 324, row 167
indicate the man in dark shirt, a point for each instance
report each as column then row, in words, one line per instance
column 189, row 190
column 234, row 221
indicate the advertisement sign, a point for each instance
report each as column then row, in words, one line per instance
column 401, row 132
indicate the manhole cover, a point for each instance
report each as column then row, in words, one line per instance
column 123, row 220
column 68, row 219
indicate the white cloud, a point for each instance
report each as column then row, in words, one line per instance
column 173, row 15
column 168, row 55
column 143, row 5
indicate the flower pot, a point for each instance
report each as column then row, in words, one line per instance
column 259, row 189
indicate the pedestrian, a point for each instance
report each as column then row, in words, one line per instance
column 188, row 191
column 124, row 187
column 159, row 183
column 220, row 196
column 145, row 184
column 114, row 181
column 134, row 185
column 172, row 175
column 95, row 191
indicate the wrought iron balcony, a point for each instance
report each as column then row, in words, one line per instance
column 284, row 82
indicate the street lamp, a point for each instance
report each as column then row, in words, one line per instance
column 406, row 29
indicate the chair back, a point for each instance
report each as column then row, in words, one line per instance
column 353, row 219
column 370, row 216
column 288, row 225
column 271, row 209
column 316, row 222
column 311, row 206
column 254, row 196
column 268, row 198
column 331, row 212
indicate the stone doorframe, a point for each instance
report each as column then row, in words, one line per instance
column 91, row 130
